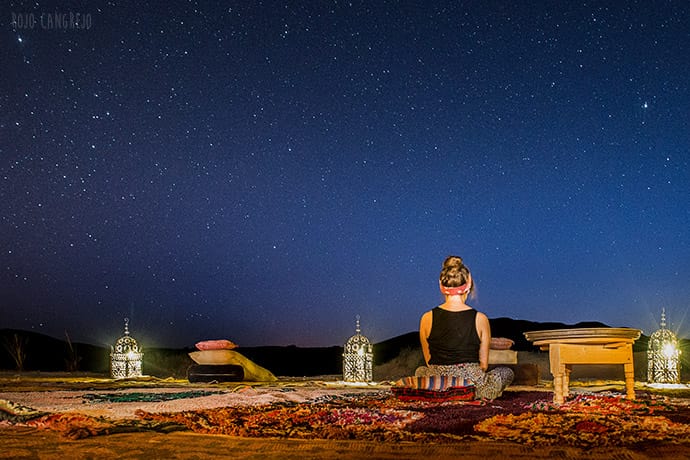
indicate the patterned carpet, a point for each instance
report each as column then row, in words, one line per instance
column 526, row 418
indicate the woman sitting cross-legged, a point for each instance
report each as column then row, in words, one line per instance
column 455, row 337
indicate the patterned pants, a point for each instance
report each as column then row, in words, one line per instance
column 488, row 385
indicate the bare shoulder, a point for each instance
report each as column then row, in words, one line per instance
column 482, row 317
column 483, row 327
column 426, row 317
column 482, row 320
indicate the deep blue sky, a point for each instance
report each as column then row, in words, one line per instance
column 266, row 171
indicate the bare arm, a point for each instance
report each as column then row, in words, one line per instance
column 424, row 331
column 484, row 331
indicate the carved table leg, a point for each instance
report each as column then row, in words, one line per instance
column 558, row 388
column 566, row 379
column 629, row 380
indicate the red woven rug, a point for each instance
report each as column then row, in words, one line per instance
column 524, row 417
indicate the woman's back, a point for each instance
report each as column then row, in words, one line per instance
column 453, row 338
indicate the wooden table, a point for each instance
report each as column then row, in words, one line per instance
column 600, row 345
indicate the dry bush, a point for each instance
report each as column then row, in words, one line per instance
column 72, row 359
column 164, row 363
column 16, row 347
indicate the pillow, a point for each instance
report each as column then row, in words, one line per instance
column 501, row 343
column 433, row 382
column 220, row 344
column 252, row 371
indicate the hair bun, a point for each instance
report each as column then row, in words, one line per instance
column 453, row 261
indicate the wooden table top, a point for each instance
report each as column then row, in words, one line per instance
column 590, row 335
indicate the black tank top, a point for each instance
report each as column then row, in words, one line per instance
column 453, row 338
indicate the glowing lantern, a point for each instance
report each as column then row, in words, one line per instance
column 663, row 355
column 126, row 357
column 358, row 358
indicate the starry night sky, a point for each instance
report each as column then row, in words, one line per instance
column 266, row 171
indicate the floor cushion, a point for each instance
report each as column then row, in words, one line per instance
column 449, row 394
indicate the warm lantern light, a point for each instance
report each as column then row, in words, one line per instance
column 126, row 357
column 663, row 355
column 358, row 358
column 669, row 351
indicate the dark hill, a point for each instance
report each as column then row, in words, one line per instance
column 297, row 362
column 389, row 349
column 44, row 353
column 514, row 329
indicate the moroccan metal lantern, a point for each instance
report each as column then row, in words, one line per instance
column 358, row 358
column 126, row 357
column 663, row 355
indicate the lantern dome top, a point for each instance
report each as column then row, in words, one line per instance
column 357, row 340
column 126, row 343
column 663, row 334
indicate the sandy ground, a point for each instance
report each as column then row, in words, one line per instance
column 24, row 443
